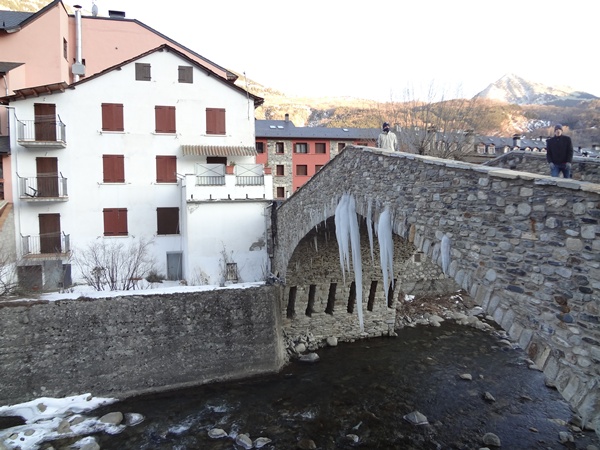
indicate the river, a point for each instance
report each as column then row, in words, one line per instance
column 466, row 382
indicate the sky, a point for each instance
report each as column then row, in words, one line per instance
column 383, row 50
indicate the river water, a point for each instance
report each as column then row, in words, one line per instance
column 357, row 396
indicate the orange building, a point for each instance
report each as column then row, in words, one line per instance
column 295, row 154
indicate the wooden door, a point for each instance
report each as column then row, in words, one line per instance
column 45, row 121
column 47, row 177
column 50, row 241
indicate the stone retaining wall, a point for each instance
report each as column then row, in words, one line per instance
column 117, row 347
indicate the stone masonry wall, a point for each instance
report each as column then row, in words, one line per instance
column 584, row 169
column 526, row 247
column 116, row 347
column 315, row 270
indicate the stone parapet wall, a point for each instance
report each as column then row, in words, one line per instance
column 526, row 247
column 584, row 169
column 117, row 347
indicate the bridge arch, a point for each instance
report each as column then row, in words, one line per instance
column 526, row 247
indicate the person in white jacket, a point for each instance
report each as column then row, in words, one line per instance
column 386, row 139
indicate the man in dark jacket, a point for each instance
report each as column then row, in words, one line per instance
column 559, row 153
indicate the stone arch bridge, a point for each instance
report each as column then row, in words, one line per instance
column 525, row 247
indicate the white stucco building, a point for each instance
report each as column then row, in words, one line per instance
column 140, row 151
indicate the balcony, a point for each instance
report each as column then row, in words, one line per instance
column 43, row 188
column 220, row 182
column 45, row 245
column 43, row 132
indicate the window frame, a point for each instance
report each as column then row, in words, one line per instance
column 279, row 148
column 320, row 148
column 301, row 145
column 280, row 170
column 278, row 189
column 305, row 170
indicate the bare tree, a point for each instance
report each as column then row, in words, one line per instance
column 429, row 124
column 110, row 265
column 8, row 269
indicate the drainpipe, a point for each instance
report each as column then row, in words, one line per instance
column 78, row 68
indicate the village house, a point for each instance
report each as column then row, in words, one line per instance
column 295, row 154
column 146, row 159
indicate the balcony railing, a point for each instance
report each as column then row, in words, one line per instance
column 44, row 131
column 43, row 188
column 46, row 244
column 245, row 174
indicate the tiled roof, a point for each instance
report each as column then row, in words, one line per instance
column 287, row 130
column 12, row 19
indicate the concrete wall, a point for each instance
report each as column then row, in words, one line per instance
column 115, row 347
column 525, row 246
column 584, row 169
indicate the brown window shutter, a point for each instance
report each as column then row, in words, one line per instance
column 165, row 119
column 215, row 121
column 114, row 170
column 166, row 168
column 167, row 220
column 112, row 117
column 115, row 221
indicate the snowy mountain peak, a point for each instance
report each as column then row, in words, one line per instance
column 514, row 89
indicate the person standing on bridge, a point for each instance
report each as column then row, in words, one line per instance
column 387, row 139
column 559, row 153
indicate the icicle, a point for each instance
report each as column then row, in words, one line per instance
column 445, row 254
column 342, row 233
column 315, row 242
column 356, row 258
column 386, row 249
column 348, row 231
column 370, row 229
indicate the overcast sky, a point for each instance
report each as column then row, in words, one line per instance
column 377, row 49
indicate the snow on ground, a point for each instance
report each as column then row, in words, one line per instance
column 44, row 416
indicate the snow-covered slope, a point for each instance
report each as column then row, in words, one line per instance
column 516, row 90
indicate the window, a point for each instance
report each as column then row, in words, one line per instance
column 215, row 121
column 279, row 147
column 166, row 168
column 260, row 147
column 279, row 170
column 301, row 169
column 320, row 147
column 142, row 72
column 280, row 192
column 186, row 74
column 112, row 117
column 65, row 47
column 301, row 147
column 113, row 168
column 341, row 146
column 167, row 220
column 115, row 221
column 165, row 119
column 318, row 167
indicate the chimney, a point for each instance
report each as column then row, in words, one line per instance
column 116, row 14
column 77, row 68
column 287, row 117
column 517, row 140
